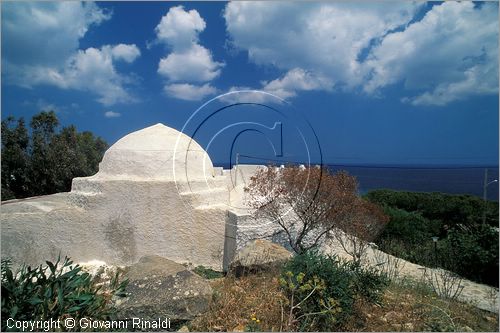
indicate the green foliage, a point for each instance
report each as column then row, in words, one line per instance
column 207, row 273
column 368, row 282
column 54, row 291
column 450, row 209
column 48, row 160
column 309, row 304
column 253, row 325
column 465, row 246
column 472, row 253
column 335, row 280
column 326, row 288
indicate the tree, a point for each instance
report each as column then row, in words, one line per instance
column 41, row 169
column 46, row 162
column 15, row 158
column 308, row 204
column 361, row 226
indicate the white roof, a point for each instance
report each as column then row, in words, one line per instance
column 156, row 153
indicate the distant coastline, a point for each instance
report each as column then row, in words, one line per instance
column 452, row 179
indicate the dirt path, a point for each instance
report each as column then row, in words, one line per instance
column 482, row 296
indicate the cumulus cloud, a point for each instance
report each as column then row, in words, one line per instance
column 87, row 70
column 295, row 80
column 279, row 89
column 180, row 28
column 189, row 92
column 324, row 38
column 370, row 46
column 188, row 62
column 46, row 32
column 194, row 65
column 112, row 114
column 43, row 41
column 127, row 53
column 452, row 53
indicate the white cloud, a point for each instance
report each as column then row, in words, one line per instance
column 111, row 114
column 180, row 28
column 369, row 46
column 53, row 30
column 189, row 62
column 87, row 70
column 478, row 80
column 193, row 65
column 323, row 38
column 189, row 92
column 295, row 80
column 451, row 54
column 46, row 32
column 127, row 53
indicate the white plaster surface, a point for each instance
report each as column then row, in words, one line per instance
column 155, row 193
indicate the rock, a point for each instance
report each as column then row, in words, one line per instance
column 259, row 255
column 490, row 319
column 183, row 329
column 159, row 287
column 408, row 327
column 239, row 328
column 391, row 316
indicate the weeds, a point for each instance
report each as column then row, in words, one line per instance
column 237, row 300
column 388, row 265
column 55, row 291
column 207, row 273
column 446, row 284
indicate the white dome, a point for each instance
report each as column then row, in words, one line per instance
column 156, row 153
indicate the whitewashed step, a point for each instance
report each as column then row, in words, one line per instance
column 206, row 197
column 194, row 186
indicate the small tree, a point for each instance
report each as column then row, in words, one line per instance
column 307, row 203
column 362, row 225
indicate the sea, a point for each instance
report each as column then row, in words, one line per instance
column 444, row 179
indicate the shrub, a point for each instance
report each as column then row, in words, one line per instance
column 472, row 253
column 368, row 282
column 310, row 203
column 325, row 289
column 466, row 246
column 55, row 291
column 451, row 209
column 335, row 283
column 207, row 273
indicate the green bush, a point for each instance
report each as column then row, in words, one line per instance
column 465, row 246
column 326, row 288
column 471, row 253
column 450, row 209
column 207, row 273
column 53, row 292
column 368, row 282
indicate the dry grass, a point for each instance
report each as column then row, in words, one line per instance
column 406, row 306
column 237, row 300
column 414, row 307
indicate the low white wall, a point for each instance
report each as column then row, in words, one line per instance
column 118, row 223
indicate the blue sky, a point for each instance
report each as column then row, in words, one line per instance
column 376, row 83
